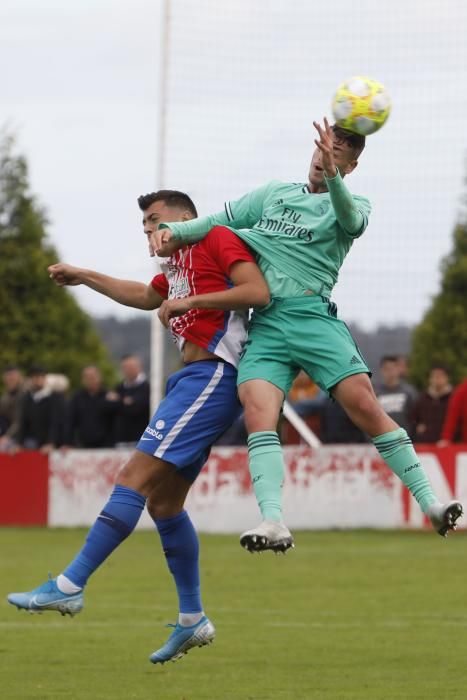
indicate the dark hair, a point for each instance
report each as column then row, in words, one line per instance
column 36, row 370
column 439, row 365
column 355, row 141
column 11, row 368
column 173, row 198
column 388, row 358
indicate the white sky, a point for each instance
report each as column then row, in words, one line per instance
column 80, row 86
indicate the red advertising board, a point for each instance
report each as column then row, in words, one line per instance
column 333, row 486
column 24, row 488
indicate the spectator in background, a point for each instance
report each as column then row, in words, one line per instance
column 10, row 404
column 396, row 396
column 89, row 420
column 305, row 396
column 42, row 414
column 430, row 408
column 334, row 427
column 455, row 423
column 131, row 402
column 403, row 366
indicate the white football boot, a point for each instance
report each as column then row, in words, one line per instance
column 444, row 516
column 270, row 534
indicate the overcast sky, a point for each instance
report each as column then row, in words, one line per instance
column 246, row 79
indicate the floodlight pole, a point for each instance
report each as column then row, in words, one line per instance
column 157, row 330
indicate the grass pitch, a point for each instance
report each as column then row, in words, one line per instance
column 346, row 615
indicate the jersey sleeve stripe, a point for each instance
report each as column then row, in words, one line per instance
column 228, row 211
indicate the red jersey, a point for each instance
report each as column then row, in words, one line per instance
column 201, row 268
column 455, row 422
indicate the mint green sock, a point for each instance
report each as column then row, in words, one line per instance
column 397, row 451
column 267, row 472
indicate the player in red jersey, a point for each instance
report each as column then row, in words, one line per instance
column 201, row 283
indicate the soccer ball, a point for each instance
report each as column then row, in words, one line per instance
column 361, row 105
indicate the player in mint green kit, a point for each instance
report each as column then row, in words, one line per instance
column 301, row 234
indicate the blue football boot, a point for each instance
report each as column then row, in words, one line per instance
column 183, row 639
column 48, row 597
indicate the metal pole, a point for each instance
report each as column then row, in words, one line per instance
column 300, row 426
column 157, row 330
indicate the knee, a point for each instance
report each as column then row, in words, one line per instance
column 253, row 409
column 259, row 413
column 356, row 396
column 162, row 511
column 161, row 508
column 128, row 476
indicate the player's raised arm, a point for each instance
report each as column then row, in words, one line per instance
column 126, row 292
column 338, row 160
column 241, row 213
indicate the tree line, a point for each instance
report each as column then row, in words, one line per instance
column 40, row 323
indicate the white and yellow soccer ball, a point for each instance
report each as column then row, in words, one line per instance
column 361, row 105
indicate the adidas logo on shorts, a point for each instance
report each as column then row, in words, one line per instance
column 355, row 360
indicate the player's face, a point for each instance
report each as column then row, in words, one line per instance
column 343, row 158
column 159, row 212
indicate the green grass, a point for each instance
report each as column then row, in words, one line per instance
column 346, row 615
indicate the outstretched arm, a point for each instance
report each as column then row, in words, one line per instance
column 241, row 213
column 126, row 292
column 250, row 289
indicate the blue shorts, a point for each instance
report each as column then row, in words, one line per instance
column 200, row 403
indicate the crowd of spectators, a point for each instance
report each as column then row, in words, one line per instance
column 37, row 414
column 436, row 415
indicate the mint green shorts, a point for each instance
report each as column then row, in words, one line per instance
column 300, row 333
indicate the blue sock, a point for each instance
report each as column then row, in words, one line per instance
column 114, row 523
column 181, row 548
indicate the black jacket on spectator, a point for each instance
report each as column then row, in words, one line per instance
column 131, row 411
column 10, row 412
column 42, row 419
column 89, row 420
column 428, row 414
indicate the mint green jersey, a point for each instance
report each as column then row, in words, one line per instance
column 299, row 239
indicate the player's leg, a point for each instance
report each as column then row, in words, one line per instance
column 201, row 405
column 325, row 349
column 262, row 403
column 181, row 549
column 265, row 376
column 113, row 525
column 356, row 396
